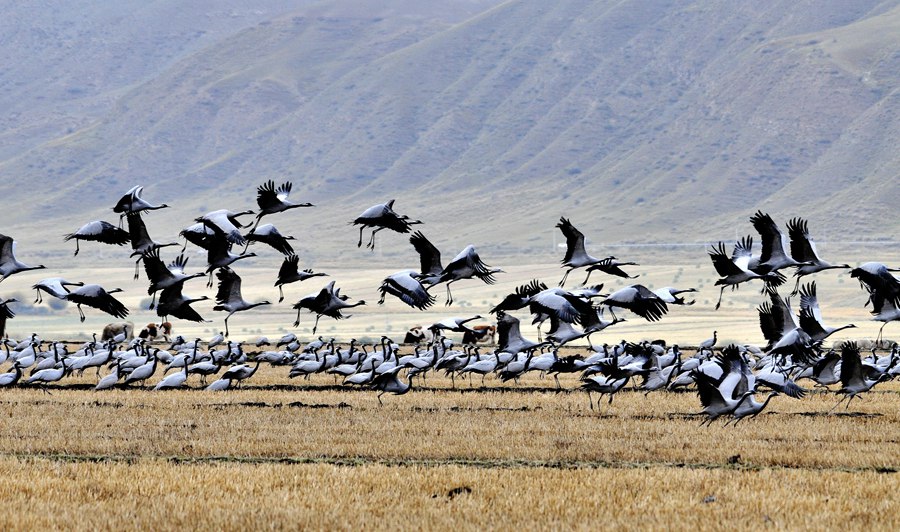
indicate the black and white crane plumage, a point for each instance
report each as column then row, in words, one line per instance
column 877, row 279
column 609, row 382
column 225, row 223
column 638, row 299
column 407, row 288
column 671, row 295
column 141, row 243
column 715, row 402
column 270, row 235
column 55, row 286
column 290, row 272
column 162, row 276
column 273, row 200
column 576, row 256
column 509, row 335
column 782, row 329
column 466, row 265
column 132, row 202
column 228, row 296
column 520, row 298
column 173, row 303
column 811, row 315
column 854, row 379
column 8, row 263
column 735, row 270
column 326, row 302
column 610, row 266
column 219, row 256
column 199, row 235
column 803, row 250
column 94, row 295
column 6, row 313
column 885, row 311
column 774, row 255
column 99, row 231
column 389, row 382
column 429, row 258
column 382, row 216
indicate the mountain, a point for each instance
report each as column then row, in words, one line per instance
column 642, row 121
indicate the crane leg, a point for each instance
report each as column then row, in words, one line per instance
column 587, row 277
column 226, row 326
column 371, row 244
column 280, row 294
column 136, row 269
column 152, row 302
column 359, row 244
column 297, row 322
column 719, row 302
column 838, row 404
column 880, row 336
column 449, row 295
column 796, row 287
column 76, row 247
column 316, row 326
column 565, row 276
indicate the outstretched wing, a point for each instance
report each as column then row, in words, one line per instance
column 574, row 239
column 429, row 255
column 803, row 248
column 229, row 286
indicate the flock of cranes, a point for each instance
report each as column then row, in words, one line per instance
column 795, row 341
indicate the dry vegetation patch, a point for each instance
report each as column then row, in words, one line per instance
column 153, row 493
column 281, row 452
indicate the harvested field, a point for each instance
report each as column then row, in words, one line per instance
column 287, row 452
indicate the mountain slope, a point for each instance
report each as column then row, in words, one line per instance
column 648, row 121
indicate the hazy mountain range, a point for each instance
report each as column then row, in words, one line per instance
column 642, row 121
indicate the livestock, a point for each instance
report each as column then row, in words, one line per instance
column 480, row 333
column 153, row 331
column 418, row 334
column 111, row 330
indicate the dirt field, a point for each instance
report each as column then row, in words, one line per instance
column 283, row 453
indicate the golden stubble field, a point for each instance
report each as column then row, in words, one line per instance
column 283, row 453
column 287, row 454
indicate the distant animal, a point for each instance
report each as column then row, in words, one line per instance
column 417, row 334
column 111, row 330
column 153, row 331
column 480, row 333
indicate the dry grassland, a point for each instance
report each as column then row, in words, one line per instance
column 161, row 494
column 287, row 454
column 281, row 453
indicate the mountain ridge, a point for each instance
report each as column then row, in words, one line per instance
column 646, row 121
